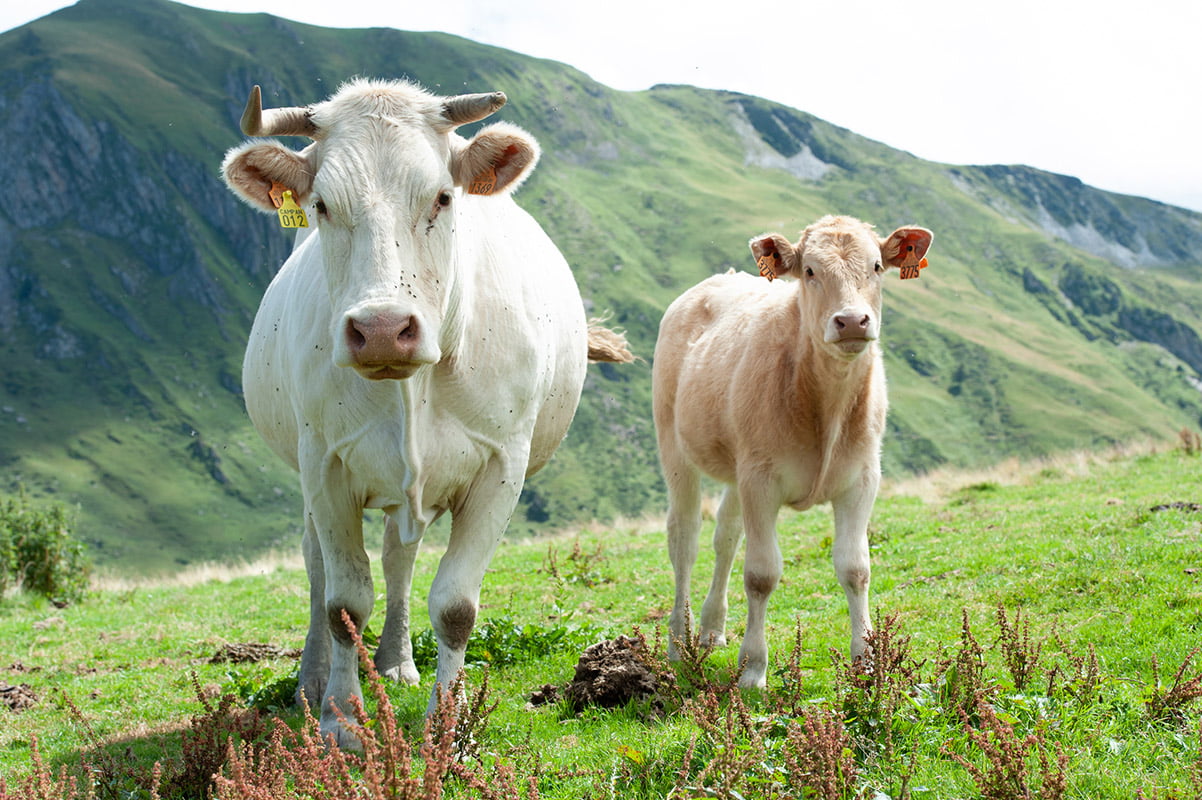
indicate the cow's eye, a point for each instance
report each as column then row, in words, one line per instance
column 444, row 199
column 321, row 208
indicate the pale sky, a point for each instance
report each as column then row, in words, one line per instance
column 1108, row 92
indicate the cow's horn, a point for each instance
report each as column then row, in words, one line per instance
column 465, row 108
column 274, row 121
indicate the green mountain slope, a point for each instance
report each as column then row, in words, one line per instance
column 1053, row 316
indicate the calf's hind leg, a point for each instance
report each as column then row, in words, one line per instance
column 684, row 526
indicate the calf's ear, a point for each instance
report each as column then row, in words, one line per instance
column 253, row 169
column 906, row 246
column 774, row 255
column 496, row 160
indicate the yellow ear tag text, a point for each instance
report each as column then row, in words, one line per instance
column 484, row 183
column 768, row 264
column 291, row 215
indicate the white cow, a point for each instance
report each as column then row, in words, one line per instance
column 777, row 389
column 422, row 352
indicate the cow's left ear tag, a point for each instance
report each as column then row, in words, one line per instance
column 768, row 264
column 291, row 215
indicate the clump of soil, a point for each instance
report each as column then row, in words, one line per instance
column 250, row 652
column 17, row 698
column 611, row 674
column 1179, row 505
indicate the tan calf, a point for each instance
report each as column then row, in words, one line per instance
column 777, row 389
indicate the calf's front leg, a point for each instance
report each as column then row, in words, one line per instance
column 850, row 555
column 762, row 567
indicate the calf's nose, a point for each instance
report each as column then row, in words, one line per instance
column 382, row 338
column 853, row 326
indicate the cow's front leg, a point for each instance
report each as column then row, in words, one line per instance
column 394, row 656
column 337, row 519
column 850, row 554
column 315, row 660
column 762, row 568
column 477, row 524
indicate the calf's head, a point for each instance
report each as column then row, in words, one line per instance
column 383, row 178
column 839, row 263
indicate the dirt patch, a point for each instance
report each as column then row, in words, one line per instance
column 609, row 674
column 250, row 652
column 17, row 698
column 1179, row 506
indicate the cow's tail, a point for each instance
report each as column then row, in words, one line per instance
column 605, row 344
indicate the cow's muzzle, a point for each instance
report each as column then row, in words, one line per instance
column 386, row 345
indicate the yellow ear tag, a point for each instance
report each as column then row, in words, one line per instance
column 768, row 265
column 291, row 215
column 484, row 183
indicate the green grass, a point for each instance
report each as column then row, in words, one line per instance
column 1076, row 550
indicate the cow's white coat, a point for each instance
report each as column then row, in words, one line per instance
column 491, row 381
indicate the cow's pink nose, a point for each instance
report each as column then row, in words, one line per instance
column 852, row 325
column 382, row 339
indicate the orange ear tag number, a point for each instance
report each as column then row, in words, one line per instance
column 911, row 264
column 291, row 215
column 768, row 264
column 484, row 183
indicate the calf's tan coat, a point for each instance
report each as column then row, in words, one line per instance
column 777, row 389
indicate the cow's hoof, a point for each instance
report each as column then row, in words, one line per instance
column 405, row 673
column 310, row 693
column 341, row 736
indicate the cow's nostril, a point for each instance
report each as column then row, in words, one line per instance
column 355, row 338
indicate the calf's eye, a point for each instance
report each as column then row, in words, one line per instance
column 809, row 272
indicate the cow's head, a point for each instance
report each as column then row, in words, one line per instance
column 839, row 263
column 384, row 176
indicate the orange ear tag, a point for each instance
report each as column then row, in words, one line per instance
column 911, row 264
column 484, row 183
column 276, row 193
column 768, row 265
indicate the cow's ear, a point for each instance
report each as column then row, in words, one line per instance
column 251, row 170
column 496, row 160
column 774, row 255
column 906, row 247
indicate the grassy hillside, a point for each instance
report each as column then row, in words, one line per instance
column 129, row 275
column 1093, row 562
